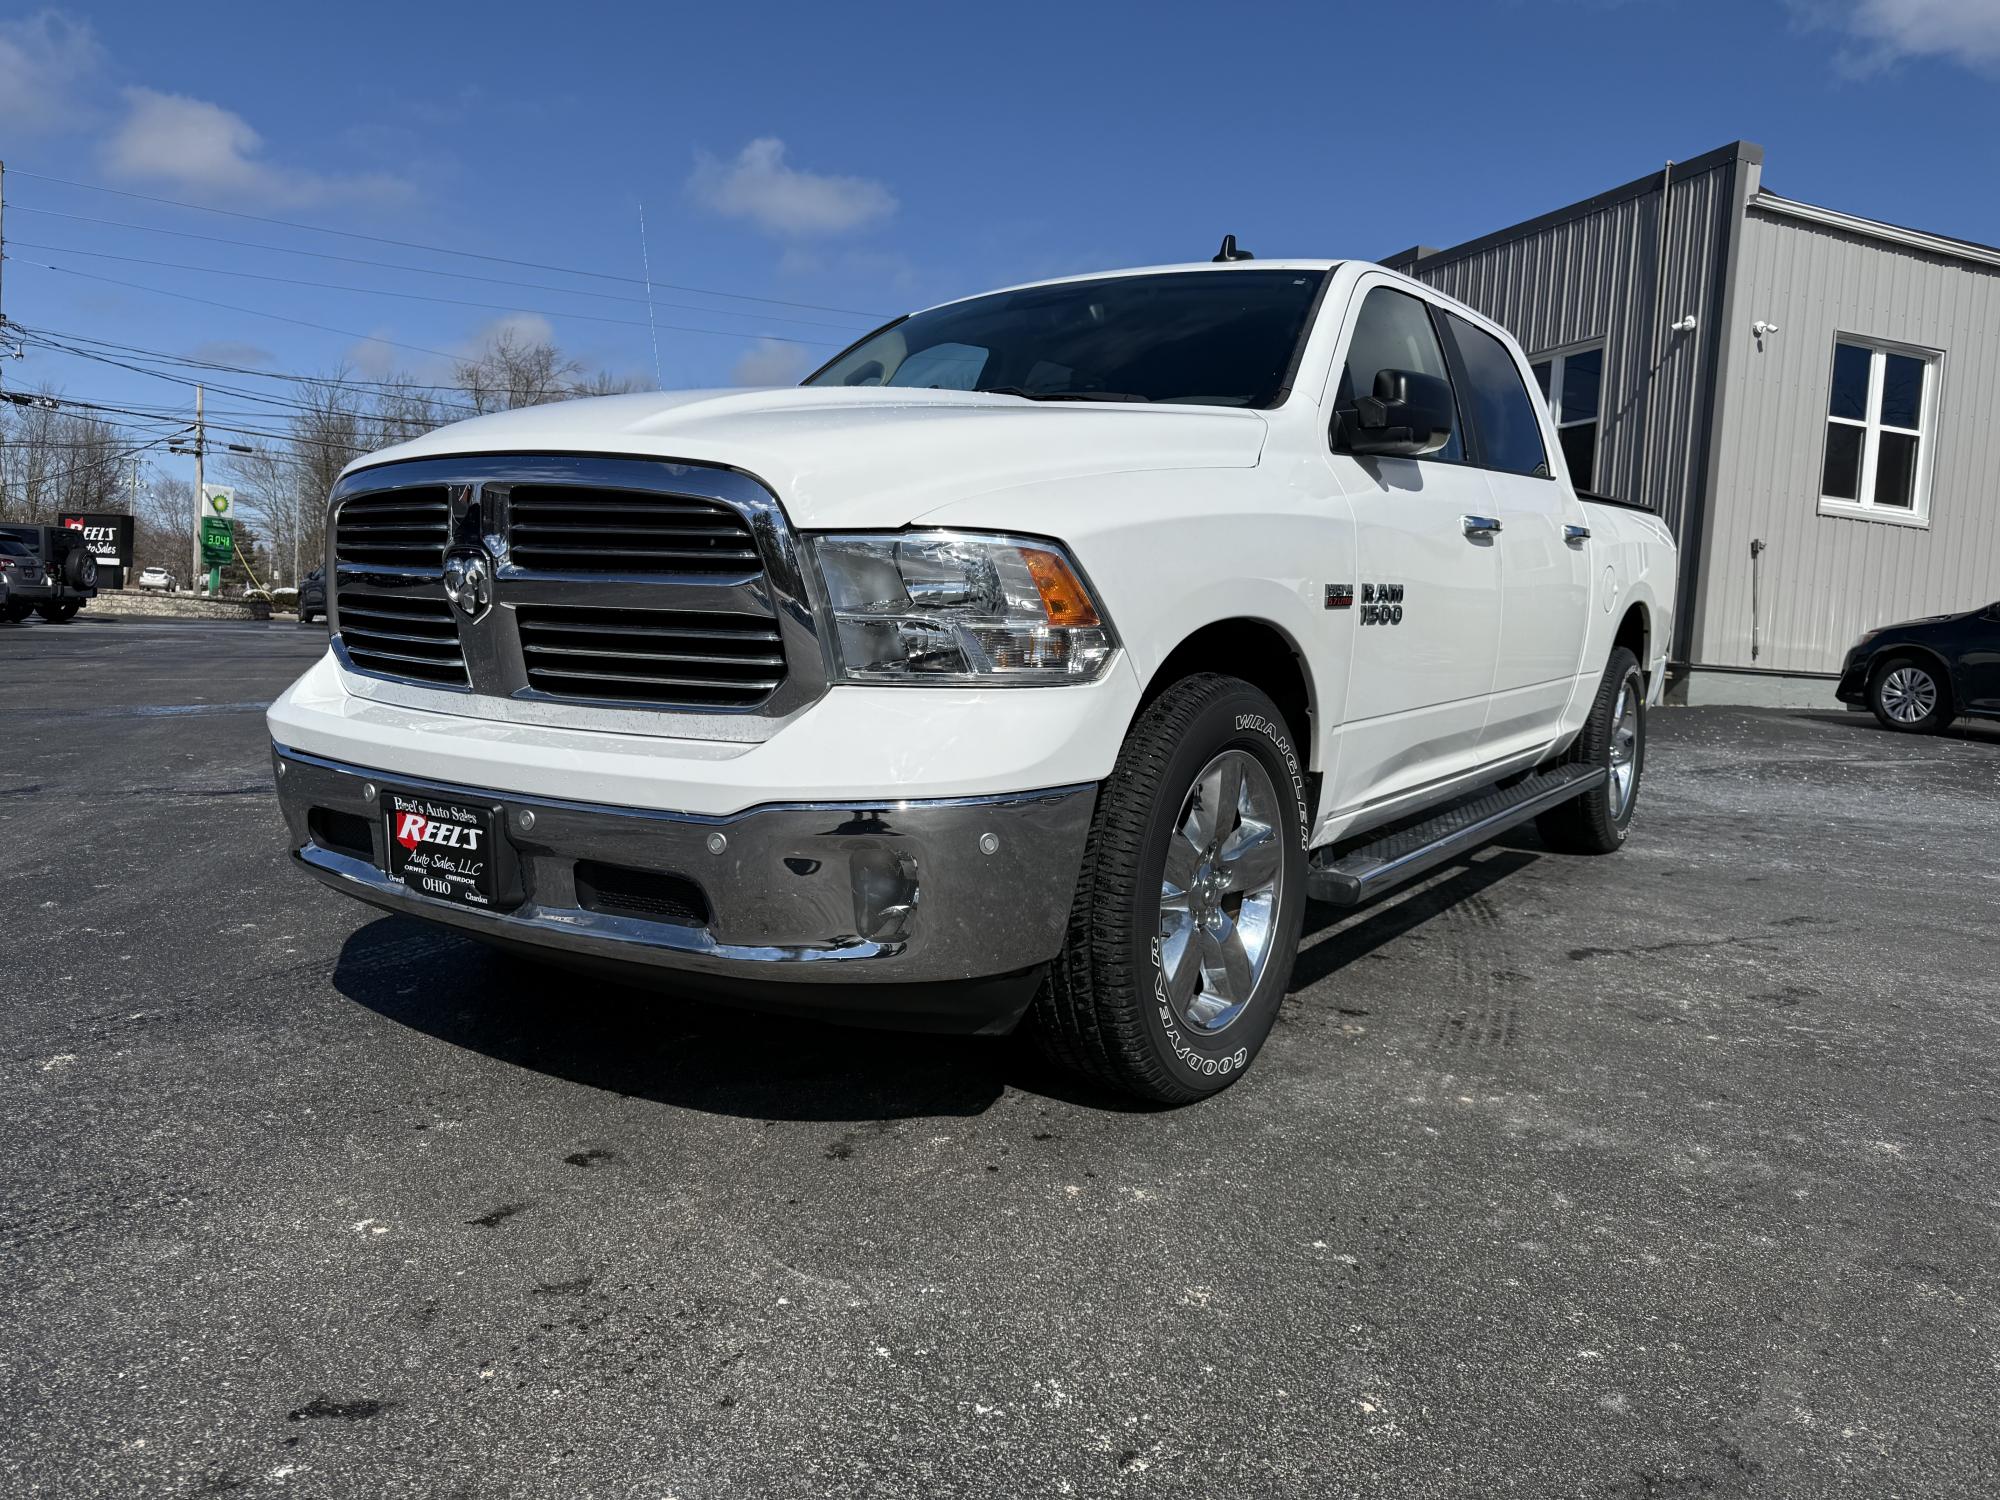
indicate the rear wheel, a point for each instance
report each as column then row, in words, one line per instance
column 1614, row 737
column 1188, row 908
column 59, row 614
column 1907, row 695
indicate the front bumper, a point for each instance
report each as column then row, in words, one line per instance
column 932, row 913
column 1853, row 684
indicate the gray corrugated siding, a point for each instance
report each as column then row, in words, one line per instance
column 1825, row 579
column 1593, row 277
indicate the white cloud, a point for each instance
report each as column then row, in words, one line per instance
column 759, row 187
column 45, row 61
column 769, row 362
column 521, row 327
column 205, row 149
column 374, row 358
column 1886, row 31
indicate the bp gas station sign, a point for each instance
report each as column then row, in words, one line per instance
column 217, row 531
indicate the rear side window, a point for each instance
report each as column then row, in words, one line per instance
column 1510, row 434
column 1393, row 332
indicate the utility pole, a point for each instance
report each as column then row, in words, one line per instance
column 200, row 442
column 3, row 262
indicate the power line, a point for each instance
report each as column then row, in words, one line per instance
column 346, row 333
column 43, row 341
column 369, row 291
column 453, row 275
column 53, row 338
column 96, row 463
column 376, row 239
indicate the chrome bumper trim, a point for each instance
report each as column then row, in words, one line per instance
column 897, row 891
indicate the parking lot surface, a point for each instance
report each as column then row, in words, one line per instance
column 1675, row 1173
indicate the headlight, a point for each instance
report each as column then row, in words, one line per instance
column 956, row 607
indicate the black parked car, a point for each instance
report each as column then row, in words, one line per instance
column 1922, row 674
column 24, row 582
column 66, row 565
column 312, row 597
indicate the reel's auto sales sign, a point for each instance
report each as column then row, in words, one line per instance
column 109, row 534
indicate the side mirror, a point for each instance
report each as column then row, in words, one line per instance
column 1408, row 416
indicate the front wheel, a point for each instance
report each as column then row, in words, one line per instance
column 1188, row 908
column 1906, row 695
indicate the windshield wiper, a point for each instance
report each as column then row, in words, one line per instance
column 1026, row 395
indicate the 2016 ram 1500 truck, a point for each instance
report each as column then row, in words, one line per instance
column 1038, row 658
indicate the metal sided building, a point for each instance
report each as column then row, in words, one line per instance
column 1810, row 399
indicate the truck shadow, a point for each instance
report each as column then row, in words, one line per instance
column 1337, row 936
column 657, row 1044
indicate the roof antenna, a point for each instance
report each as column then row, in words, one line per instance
column 1230, row 252
column 646, row 261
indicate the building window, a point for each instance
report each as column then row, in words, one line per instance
column 1573, row 383
column 1880, row 423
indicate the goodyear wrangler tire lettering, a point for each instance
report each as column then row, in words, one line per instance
column 1278, row 738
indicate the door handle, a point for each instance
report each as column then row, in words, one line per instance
column 1478, row 526
column 1576, row 536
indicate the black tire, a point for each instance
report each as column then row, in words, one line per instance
column 80, row 568
column 1105, row 1010
column 16, row 613
column 1901, row 686
column 58, row 614
column 1597, row 822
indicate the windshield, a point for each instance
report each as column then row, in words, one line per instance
column 13, row 548
column 1208, row 338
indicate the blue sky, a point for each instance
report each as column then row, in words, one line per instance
column 867, row 159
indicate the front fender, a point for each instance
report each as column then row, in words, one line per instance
column 1169, row 553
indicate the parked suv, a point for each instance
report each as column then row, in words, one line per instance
column 1036, row 660
column 67, row 564
column 24, row 582
column 312, row 597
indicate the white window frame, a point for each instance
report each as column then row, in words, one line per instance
column 1556, row 360
column 1866, row 508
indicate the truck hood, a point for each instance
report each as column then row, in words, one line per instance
column 867, row 456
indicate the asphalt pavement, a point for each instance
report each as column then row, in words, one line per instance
column 1670, row 1174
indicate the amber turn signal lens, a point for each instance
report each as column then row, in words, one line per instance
column 1063, row 596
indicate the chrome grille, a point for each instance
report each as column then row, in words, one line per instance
column 580, row 528
column 641, row 595
column 403, row 635
column 394, row 529
column 713, row 660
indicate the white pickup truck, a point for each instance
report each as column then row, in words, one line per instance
column 1037, row 659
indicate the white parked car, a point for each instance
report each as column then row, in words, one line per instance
column 157, row 579
column 1036, row 660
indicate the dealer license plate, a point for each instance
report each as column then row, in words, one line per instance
column 444, row 850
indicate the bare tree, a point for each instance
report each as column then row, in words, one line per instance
column 163, row 526
column 54, row 460
column 512, row 372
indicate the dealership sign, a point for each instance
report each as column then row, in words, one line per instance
column 109, row 534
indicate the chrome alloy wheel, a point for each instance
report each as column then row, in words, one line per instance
column 1219, row 893
column 1909, row 695
column 1624, row 746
